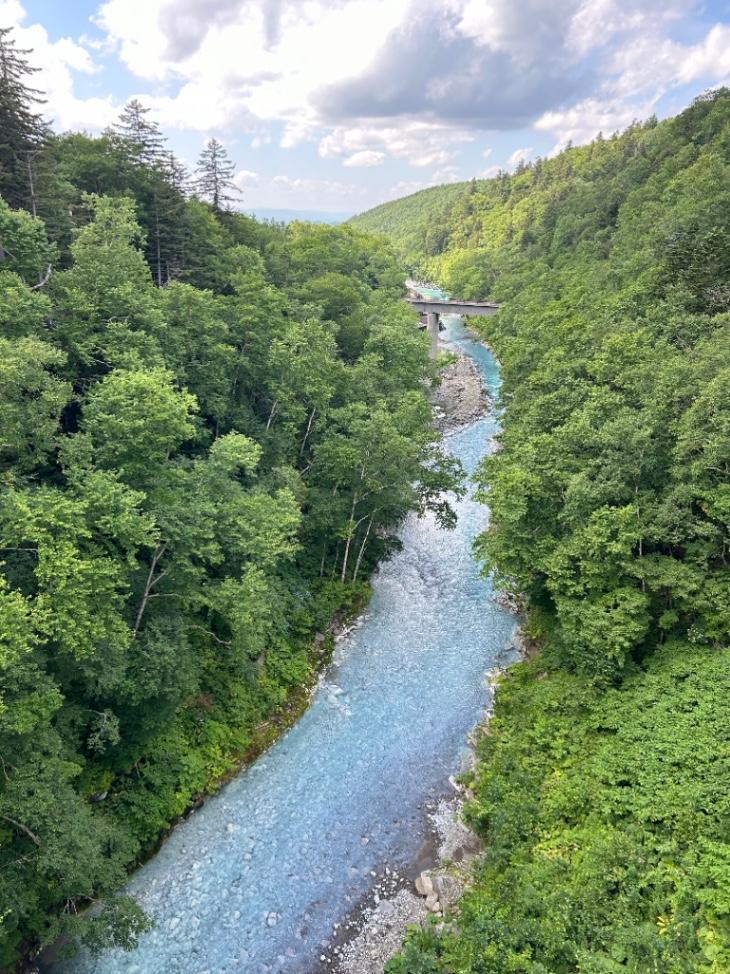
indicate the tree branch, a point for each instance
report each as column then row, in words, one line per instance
column 151, row 581
column 223, row 642
column 24, row 828
column 46, row 279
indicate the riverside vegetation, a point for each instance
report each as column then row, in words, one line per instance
column 602, row 785
column 209, row 430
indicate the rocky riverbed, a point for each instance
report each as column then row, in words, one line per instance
column 461, row 398
column 376, row 929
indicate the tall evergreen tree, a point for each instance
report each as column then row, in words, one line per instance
column 176, row 173
column 170, row 230
column 214, row 176
column 142, row 137
column 22, row 130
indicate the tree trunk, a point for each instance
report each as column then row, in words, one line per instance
column 309, row 429
column 362, row 548
column 157, row 243
column 23, row 828
column 152, row 580
column 272, row 413
column 350, row 533
column 31, row 184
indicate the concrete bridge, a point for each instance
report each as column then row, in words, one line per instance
column 431, row 309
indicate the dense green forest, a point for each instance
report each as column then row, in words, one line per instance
column 602, row 791
column 209, row 429
column 418, row 224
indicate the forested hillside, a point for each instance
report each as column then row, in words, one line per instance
column 209, row 428
column 417, row 225
column 602, row 789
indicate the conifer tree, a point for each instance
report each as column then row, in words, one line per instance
column 142, row 138
column 177, row 175
column 214, row 176
column 168, row 230
column 22, row 130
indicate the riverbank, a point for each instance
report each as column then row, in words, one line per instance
column 431, row 886
column 372, row 933
column 430, row 889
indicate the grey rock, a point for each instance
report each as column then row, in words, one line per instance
column 424, row 884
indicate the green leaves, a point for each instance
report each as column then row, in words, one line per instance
column 31, row 402
column 24, row 248
column 136, row 420
column 77, row 589
column 604, row 821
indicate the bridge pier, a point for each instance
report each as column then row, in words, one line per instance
column 432, row 327
column 430, row 309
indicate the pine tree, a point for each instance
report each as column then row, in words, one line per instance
column 22, row 130
column 141, row 137
column 178, row 181
column 167, row 236
column 177, row 175
column 214, row 176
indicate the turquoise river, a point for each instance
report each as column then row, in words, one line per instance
column 255, row 879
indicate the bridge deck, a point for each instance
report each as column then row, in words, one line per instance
column 479, row 308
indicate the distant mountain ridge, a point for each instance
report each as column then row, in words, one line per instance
column 306, row 216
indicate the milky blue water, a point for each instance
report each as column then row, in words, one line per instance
column 254, row 880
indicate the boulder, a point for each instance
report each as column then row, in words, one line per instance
column 424, row 885
column 447, row 888
column 432, row 903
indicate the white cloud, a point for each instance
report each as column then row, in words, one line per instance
column 11, row 13
column 518, row 29
column 640, row 70
column 446, row 175
column 57, row 61
column 297, row 132
column 366, row 158
column 597, row 22
column 490, row 172
column 649, row 64
column 711, row 57
column 584, row 121
column 421, row 144
column 245, row 178
column 229, row 52
column 519, row 155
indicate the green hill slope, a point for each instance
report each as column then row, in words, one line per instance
column 602, row 791
column 415, row 224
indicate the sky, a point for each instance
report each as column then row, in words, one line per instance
column 337, row 105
